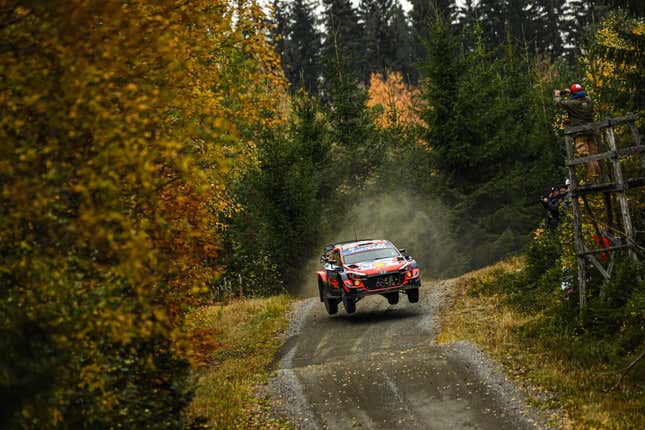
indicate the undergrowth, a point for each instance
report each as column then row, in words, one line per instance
column 236, row 344
column 517, row 311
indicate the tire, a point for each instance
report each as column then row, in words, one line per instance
column 392, row 298
column 349, row 304
column 413, row 295
column 331, row 305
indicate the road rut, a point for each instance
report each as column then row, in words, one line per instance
column 378, row 369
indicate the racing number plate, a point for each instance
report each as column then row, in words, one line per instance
column 387, row 281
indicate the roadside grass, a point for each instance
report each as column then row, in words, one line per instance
column 567, row 368
column 235, row 345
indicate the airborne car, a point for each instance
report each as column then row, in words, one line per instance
column 355, row 269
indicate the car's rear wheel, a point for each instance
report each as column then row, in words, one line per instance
column 349, row 303
column 392, row 298
column 413, row 295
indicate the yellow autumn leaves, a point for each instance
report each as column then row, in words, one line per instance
column 122, row 125
column 400, row 103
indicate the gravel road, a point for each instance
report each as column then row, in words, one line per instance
column 379, row 369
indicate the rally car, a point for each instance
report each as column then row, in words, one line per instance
column 355, row 269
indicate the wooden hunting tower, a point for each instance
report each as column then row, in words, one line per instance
column 611, row 236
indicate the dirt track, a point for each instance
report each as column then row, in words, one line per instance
column 378, row 369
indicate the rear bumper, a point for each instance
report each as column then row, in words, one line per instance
column 356, row 293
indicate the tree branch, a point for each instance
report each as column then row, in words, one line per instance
column 627, row 369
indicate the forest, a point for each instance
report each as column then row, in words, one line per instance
column 159, row 155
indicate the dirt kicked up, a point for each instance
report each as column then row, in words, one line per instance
column 379, row 369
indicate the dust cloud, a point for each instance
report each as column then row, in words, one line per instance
column 420, row 225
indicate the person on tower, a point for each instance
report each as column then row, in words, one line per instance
column 580, row 110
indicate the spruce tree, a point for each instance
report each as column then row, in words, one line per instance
column 299, row 43
column 281, row 32
column 422, row 15
column 500, row 19
column 342, row 37
column 378, row 38
column 468, row 23
column 358, row 146
column 284, row 199
column 305, row 43
column 404, row 59
column 442, row 69
column 538, row 26
column 581, row 16
column 490, row 141
column 550, row 27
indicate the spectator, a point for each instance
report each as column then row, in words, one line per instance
column 579, row 108
column 552, row 204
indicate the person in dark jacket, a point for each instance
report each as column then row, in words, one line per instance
column 580, row 109
column 552, row 204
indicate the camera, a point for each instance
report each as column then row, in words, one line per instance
column 564, row 92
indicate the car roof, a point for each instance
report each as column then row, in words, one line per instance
column 349, row 243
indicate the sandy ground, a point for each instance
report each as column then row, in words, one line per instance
column 379, row 369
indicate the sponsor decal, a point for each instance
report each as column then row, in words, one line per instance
column 369, row 247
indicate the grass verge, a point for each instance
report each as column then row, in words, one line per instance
column 235, row 345
column 575, row 369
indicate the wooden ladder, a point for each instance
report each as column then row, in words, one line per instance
column 619, row 185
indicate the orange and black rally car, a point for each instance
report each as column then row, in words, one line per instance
column 353, row 270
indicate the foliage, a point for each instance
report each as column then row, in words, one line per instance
column 398, row 103
column 343, row 42
column 294, row 195
column 237, row 345
column 489, row 130
column 149, row 152
column 542, row 252
column 613, row 64
column 122, row 124
column 282, row 202
column 611, row 303
column 569, row 369
column 299, row 44
column 357, row 145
